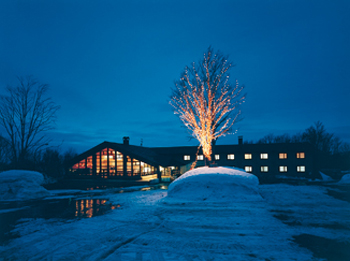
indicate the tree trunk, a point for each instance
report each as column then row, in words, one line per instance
column 212, row 162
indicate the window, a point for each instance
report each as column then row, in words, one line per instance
column 128, row 165
column 119, row 155
column 136, row 167
column 247, row 156
column 89, row 162
column 230, row 156
column 104, row 165
column 217, row 157
column 82, row 164
column 283, row 155
column 98, row 162
column 187, row 157
column 283, row 168
column 200, row 157
column 264, row 169
column 248, row 168
column 120, row 164
column 300, row 155
column 300, row 168
column 264, row 156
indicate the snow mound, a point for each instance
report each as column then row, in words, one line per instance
column 219, row 184
column 21, row 185
column 325, row 177
column 345, row 179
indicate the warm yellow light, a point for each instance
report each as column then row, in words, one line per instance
column 204, row 100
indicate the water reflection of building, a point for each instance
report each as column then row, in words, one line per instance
column 88, row 207
column 124, row 161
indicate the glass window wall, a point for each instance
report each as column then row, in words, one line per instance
column 110, row 163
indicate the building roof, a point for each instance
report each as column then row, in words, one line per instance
column 173, row 156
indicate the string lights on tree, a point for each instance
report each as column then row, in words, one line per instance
column 205, row 101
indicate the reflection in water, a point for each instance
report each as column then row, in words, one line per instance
column 92, row 207
column 96, row 187
column 57, row 208
column 11, row 212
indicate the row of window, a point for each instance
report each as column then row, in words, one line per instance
column 109, row 162
column 281, row 169
column 248, row 156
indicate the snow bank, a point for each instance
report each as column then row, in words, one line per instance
column 21, row 185
column 219, row 184
column 325, row 177
column 345, row 179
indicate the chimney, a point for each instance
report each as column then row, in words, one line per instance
column 240, row 140
column 126, row 140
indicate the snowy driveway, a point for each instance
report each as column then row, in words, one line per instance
column 147, row 227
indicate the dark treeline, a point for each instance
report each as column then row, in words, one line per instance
column 50, row 161
column 333, row 152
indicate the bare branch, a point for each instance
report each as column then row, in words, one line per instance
column 205, row 101
column 26, row 115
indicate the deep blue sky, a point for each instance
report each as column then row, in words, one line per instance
column 111, row 64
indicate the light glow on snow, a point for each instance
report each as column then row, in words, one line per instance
column 215, row 184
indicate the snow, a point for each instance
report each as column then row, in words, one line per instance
column 147, row 226
column 218, row 184
column 21, row 185
column 345, row 179
column 325, row 177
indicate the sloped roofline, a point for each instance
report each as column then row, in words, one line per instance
column 163, row 156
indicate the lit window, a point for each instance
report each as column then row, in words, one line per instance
column 217, row 157
column 119, row 155
column 200, row 157
column 283, row 169
column 283, row 155
column 264, row 169
column 300, row 168
column 230, row 156
column 247, row 156
column 264, row 156
column 248, row 168
column 300, row 155
column 187, row 157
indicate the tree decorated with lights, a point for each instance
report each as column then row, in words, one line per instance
column 205, row 100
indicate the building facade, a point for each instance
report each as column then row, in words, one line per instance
column 110, row 160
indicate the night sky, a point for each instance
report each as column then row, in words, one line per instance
column 111, row 64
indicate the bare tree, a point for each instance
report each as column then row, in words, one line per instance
column 3, row 151
column 319, row 137
column 26, row 115
column 205, row 100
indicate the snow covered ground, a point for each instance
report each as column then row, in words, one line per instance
column 21, row 185
column 147, row 226
column 219, row 184
column 345, row 179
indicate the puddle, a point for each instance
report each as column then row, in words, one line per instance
column 68, row 209
column 101, row 185
column 91, row 207
column 65, row 208
column 321, row 247
column 341, row 193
